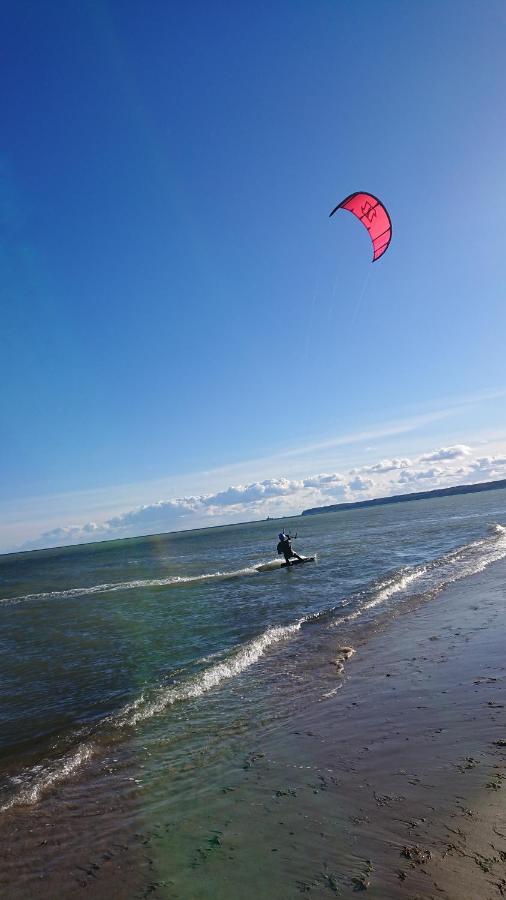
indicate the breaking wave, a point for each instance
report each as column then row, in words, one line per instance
column 40, row 779
column 146, row 706
column 432, row 577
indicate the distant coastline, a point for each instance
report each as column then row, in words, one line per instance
column 150, row 534
column 334, row 507
column 403, row 498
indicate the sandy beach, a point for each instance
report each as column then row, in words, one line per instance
column 253, row 450
column 392, row 781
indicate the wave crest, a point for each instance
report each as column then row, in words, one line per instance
column 147, row 705
column 432, row 577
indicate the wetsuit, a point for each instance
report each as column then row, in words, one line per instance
column 286, row 550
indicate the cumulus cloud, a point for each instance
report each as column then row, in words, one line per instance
column 386, row 465
column 488, row 462
column 421, row 475
column 258, row 490
column 360, row 484
column 445, row 453
column 324, row 481
column 67, row 534
column 281, row 496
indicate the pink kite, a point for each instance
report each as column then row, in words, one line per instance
column 373, row 215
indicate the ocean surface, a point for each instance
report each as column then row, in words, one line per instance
column 154, row 656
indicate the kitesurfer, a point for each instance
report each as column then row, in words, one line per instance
column 285, row 548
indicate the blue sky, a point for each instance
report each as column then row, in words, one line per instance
column 178, row 312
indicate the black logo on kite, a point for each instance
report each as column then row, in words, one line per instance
column 368, row 211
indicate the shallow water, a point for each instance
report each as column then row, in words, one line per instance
column 152, row 657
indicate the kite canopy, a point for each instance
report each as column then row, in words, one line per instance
column 373, row 215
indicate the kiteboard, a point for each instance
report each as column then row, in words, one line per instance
column 296, row 562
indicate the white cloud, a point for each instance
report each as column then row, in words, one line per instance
column 433, row 474
column 488, row 462
column 360, row 484
column 386, row 465
column 285, row 496
column 325, row 481
column 259, row 490
column 444, row 453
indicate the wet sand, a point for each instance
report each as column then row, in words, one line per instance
column 392, row 781
column 397, row 784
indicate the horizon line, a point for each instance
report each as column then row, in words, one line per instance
column 318, row 510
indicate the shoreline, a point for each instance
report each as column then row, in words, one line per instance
column 391, row 782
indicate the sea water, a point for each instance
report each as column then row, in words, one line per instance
column 156, row 655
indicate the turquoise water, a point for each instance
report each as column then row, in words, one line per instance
column 135, row 642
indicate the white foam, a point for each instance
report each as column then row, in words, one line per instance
column 143, row 583
column 42, row 778
column 51, row 775
column 270, row 566
column 331, row 693
column 397, row 584
column 144, row 707
column 498, row 529
column 108, row 588
column 438, row 574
